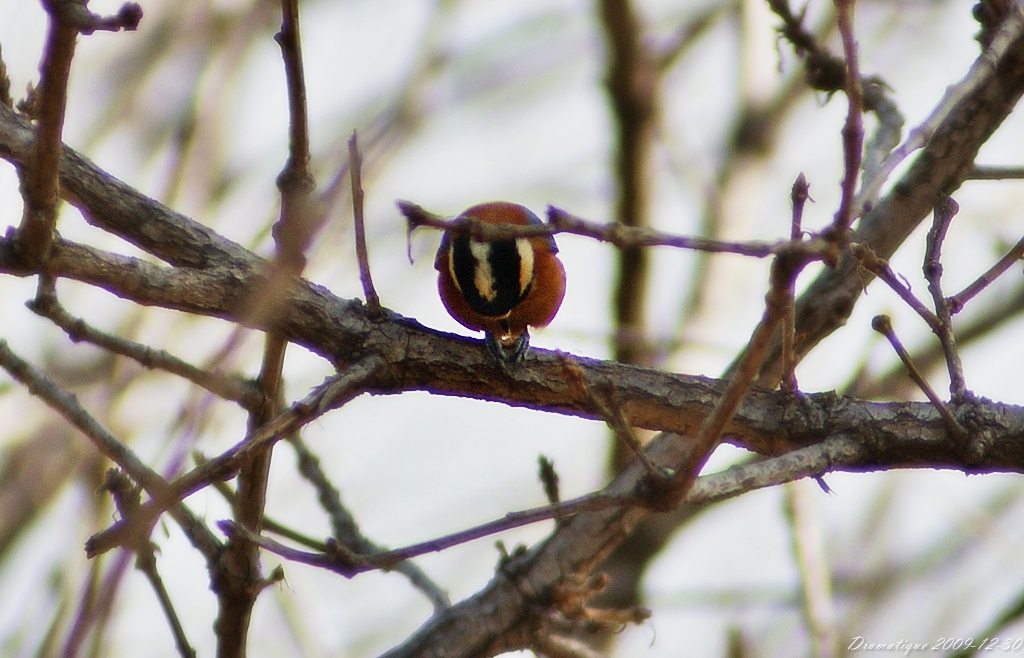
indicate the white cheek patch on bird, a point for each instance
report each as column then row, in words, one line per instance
column 493, row 276
column 483, row 278
column 525, row 250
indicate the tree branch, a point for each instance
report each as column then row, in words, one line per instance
column 419, row 358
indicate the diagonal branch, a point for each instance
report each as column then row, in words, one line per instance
column 333, row 393
column 957, row 301
column 68, row 406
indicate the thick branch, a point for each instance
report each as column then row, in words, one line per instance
column 117, row 208
column 419, row 358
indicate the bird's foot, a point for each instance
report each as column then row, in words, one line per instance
column 507, row 357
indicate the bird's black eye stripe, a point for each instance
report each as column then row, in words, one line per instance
column 488, row 274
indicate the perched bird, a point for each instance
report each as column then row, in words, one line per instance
column 503, row 286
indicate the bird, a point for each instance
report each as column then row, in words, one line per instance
column 501, row 287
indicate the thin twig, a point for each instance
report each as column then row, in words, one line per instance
column 622, row 236
column 853, row 129
column 299, row 220
column 981, row 172
column 883, row 325
column 945, row 209
column 989, row 320
column 146, row 563
column 828, row 73
column 269, row 524
column 41, row 189
column 340, row 522
column 798, row 197
column 612, row 415
column 957, row 301
column 238, row 575
column 72, row 410
column 560, row 221
column 355, row 160
column 343, row 524
column 880, row 268
column 338, row 558
column 549, row 479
